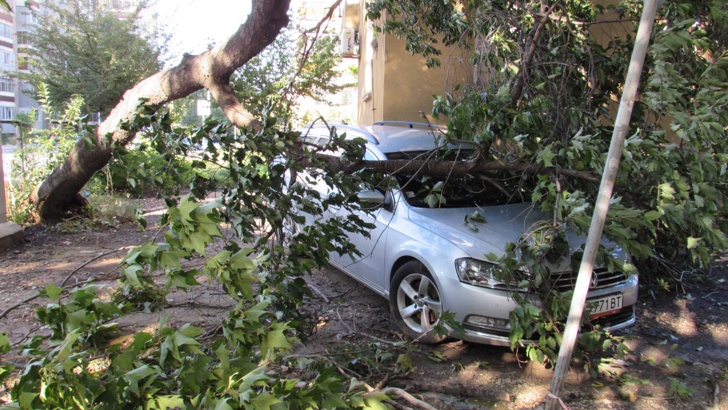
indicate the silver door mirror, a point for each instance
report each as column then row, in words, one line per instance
column 370, row 198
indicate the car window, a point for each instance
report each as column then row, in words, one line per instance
column 320, row 134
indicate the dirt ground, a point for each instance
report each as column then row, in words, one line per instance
column 680, row 340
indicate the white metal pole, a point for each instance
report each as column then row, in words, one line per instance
column 621, row 126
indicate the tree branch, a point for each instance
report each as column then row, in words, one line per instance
column 212, row 69
column 443, row 168
column 531, row 45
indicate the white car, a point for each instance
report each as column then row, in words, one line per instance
column 425, row 257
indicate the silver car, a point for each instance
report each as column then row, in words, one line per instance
column 425, row 257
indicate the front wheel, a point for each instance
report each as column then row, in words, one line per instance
column 415, row 303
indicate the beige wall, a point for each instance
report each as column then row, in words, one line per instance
column 371, row 74
column 393, row 84
column 608, row 27
column 409, row 84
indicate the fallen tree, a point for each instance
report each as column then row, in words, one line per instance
column 543, row 117
column 59, row 193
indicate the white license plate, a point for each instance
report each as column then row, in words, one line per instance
column 604, row 306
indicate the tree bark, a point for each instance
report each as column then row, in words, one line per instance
column 59, row 193
column 443, row 168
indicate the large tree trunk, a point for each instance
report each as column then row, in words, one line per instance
column 59, row 193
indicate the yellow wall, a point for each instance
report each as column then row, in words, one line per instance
column 409, row 84
column 393, row 84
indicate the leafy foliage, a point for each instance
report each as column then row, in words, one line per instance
column 240, row 366
column 542, row 103
column 289, row 71
column 542, row 98
column 82, row 48
column 239, row 237
column 151, row 166
column 44, row 150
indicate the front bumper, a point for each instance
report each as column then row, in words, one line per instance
column 484, row 313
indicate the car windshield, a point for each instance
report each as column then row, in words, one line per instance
column 462, row 192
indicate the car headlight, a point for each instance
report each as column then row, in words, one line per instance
column 480, row 273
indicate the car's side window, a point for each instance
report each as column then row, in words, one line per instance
column 369, row 156
column 317, row 134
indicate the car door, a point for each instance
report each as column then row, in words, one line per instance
column 368, row 267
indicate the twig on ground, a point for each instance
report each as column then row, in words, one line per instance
column 385, row 381
column 19, row 304
column 63, row 284
column 397, row 405
column 362, row 333
column 318, row 292
column 408, row 398
column 87, row 263
column 212, row 332
column 402, row 395
column 341, row 295
column 344, row 372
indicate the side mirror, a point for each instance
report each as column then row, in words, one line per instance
column 370, row 198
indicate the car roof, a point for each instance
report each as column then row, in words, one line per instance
column 389, row 137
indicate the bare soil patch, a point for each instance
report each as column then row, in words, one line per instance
column 680, row 340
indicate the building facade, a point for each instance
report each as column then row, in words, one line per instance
column 8, row 68
column 16, row 52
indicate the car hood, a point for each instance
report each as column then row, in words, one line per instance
column 504, row 223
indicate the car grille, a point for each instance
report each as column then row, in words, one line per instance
column 624, row 315
column 565, row 281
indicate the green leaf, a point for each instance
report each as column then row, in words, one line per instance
column 404, row 361
column 26, row 399
column 170, row 259
column 546, row 156
column 4, row 343
column 199, row 242
column 223, row 404
column 166, row 402
column 53, row 292
column 432, row 201
column 264, row 401
column 251, row 379
column 693, row 242
column 139, row 374
column 653, row 215
column 65, row 349
column 275, row 339
column 240, row 260
column 436, row 356
column 130, row 272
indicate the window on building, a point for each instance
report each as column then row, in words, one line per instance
column 6, row 30
column 23, row 37
column 7, row 113
column 7, row 85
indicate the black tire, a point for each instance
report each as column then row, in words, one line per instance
column 415, row 302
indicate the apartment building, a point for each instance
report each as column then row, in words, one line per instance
column 15, row 55
column 8, row 67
